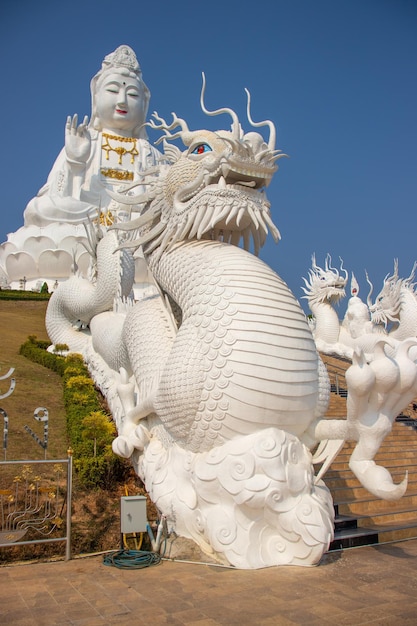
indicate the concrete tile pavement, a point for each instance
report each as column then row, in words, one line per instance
column 373, row 585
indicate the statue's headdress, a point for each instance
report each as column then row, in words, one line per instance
column 123, row 56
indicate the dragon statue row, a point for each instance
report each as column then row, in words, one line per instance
column 213, row 377
column 392, row 317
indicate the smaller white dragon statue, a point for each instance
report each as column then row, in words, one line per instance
column 215, row 382
column 393, row 315
column 324, row 289
column 395, row 306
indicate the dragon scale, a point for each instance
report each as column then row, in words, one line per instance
column 79, row 300
column 243, row 344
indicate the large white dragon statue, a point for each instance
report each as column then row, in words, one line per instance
column 213, row 377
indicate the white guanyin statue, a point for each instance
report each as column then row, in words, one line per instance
column 99, row 156
column 214, row 380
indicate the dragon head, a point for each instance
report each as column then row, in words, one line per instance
column 214, row 189
column 388, row 302
column 325, row 285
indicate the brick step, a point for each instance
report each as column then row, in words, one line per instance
column 380, row 521
column 371, row 534
column 395, row 467
column 344, row 471
column 385, row 458
column 404, row 518
column 407, row 420
column 342, row 522
column 346, row 480
column 337, row 403
column 353, row 538
column 394, row 440
column 368, row 507
column 409, row 438
column 390, row 534
column 398, row 447
column 359, row 493
column 396, row 461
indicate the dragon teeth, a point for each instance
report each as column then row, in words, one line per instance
column 204, row 224
column 240, row 214
column 232, row 214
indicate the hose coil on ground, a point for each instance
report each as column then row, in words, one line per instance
column 132, row 559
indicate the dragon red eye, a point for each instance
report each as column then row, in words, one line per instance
column 201, row 149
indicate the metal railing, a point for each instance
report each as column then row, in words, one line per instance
column 337, row 382
column 33, row 503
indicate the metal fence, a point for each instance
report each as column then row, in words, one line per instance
column 35, row 502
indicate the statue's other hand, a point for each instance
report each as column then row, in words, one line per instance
column 77, row 140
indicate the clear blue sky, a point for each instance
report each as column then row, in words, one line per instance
column 338, row 78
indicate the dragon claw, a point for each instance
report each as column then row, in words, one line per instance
column 376, row 393
column 123, row 447
column 377, row 480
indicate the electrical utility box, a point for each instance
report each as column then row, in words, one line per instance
column 133, row 514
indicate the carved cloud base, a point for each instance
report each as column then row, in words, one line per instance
column 250, row 503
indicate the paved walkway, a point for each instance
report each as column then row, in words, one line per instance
column 373, row 585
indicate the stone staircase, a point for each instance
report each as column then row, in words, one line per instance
column 361, row 518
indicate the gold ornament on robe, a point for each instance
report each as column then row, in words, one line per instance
column 117, row 174
column 120, row 150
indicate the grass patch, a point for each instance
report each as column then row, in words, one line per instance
column 95, row 513
column 36, row 386
column 22, row 296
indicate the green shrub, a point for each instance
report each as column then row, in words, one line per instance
column 59, row 348
column 36, row 351
column 18, row 294
column 80, row 382
column 103, row 471
column 89, row 429
column 98, row 428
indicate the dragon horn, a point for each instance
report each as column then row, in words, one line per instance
column 176, row 121
column 235, row 119
column 411, row 277
column 368, row 299
column 271, row 125
column 342, row 269
column 329, row 264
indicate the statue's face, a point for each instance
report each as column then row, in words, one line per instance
column 120, row 103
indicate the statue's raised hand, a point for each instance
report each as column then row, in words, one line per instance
column 77, row 140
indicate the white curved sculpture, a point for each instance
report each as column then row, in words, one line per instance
column 99, row 157
column 396, row 305
column 221, row 394
column 324, row 289
column 393, row 315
